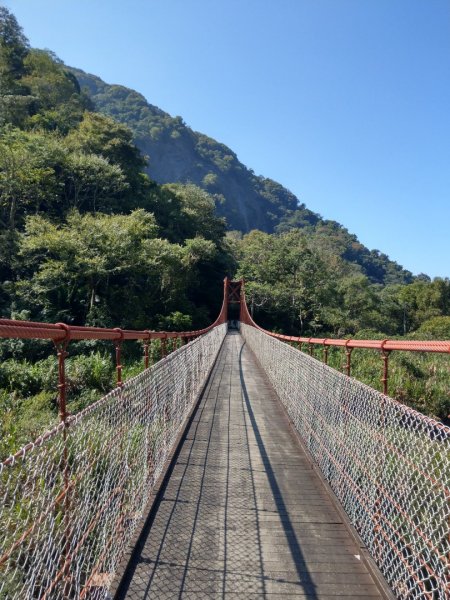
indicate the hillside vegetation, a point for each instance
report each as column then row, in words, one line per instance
column 87, row 237
column 247, row 201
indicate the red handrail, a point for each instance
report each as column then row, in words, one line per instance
column 384, row 346
column 387, row 345
column 60, row 332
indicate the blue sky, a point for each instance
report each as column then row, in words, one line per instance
column 345, row 102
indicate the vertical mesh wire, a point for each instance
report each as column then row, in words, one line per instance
column 71, row 501
column 388, row 465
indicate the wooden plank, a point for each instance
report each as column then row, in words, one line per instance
column 243, row 515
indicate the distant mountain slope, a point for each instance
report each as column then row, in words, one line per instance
column 248, row 201
column 179, row 154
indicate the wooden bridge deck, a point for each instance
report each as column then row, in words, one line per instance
column 243, row 514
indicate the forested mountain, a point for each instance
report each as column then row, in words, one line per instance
column 80, row 222
column 179, row 154
column 247, row 201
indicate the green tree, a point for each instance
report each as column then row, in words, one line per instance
column 14, row 96
column 359, row 303
column 58, row 103
column 14, row 45
column 47, row 80
column 109, row 270
column 101, row 135
column 28, row 179
column 437, row 328
column 186, row 211
column 69, row 266
column 91, row 183
column 423, row 300
column 286, row 277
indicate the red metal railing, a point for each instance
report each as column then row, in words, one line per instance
column 385, row 347
column 62, row 334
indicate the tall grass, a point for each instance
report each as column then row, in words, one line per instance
column 29, row 397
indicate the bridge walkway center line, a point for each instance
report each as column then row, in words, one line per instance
column 243, row 515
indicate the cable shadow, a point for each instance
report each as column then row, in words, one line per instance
column 252, row 546
column 305, row 580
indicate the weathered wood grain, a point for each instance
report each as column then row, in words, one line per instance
column 243, row 514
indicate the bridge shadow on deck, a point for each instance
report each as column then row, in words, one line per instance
column 300, row 565
column 242, row 515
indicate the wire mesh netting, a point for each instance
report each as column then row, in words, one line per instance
column 388, row 465
column 70, row 502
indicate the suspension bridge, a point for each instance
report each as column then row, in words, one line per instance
column 237, row 466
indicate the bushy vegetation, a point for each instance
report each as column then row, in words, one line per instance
column 301, row 284
column 296, row 284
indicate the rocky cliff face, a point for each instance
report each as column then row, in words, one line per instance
column 178, row 154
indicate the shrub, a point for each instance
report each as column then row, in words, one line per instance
column 437, row 328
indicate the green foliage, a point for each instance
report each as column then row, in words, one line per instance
column 335, row 240
column 424, row 300
column 41, row 172
column 28, row 180
column 24, row 419
column 14, row 45
column 92, row 372
column 77, row 270
column 15, row 100
column 27, row 401
column 176, row 321
column 287, row 279
column 28, row 393
column 103, row 136
column 301, row 283
column 359, row 303
column 437, row 328
column 58, row 102
column 195, row 213
column 92, row 183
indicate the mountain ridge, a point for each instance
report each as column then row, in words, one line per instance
column 178, row 154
